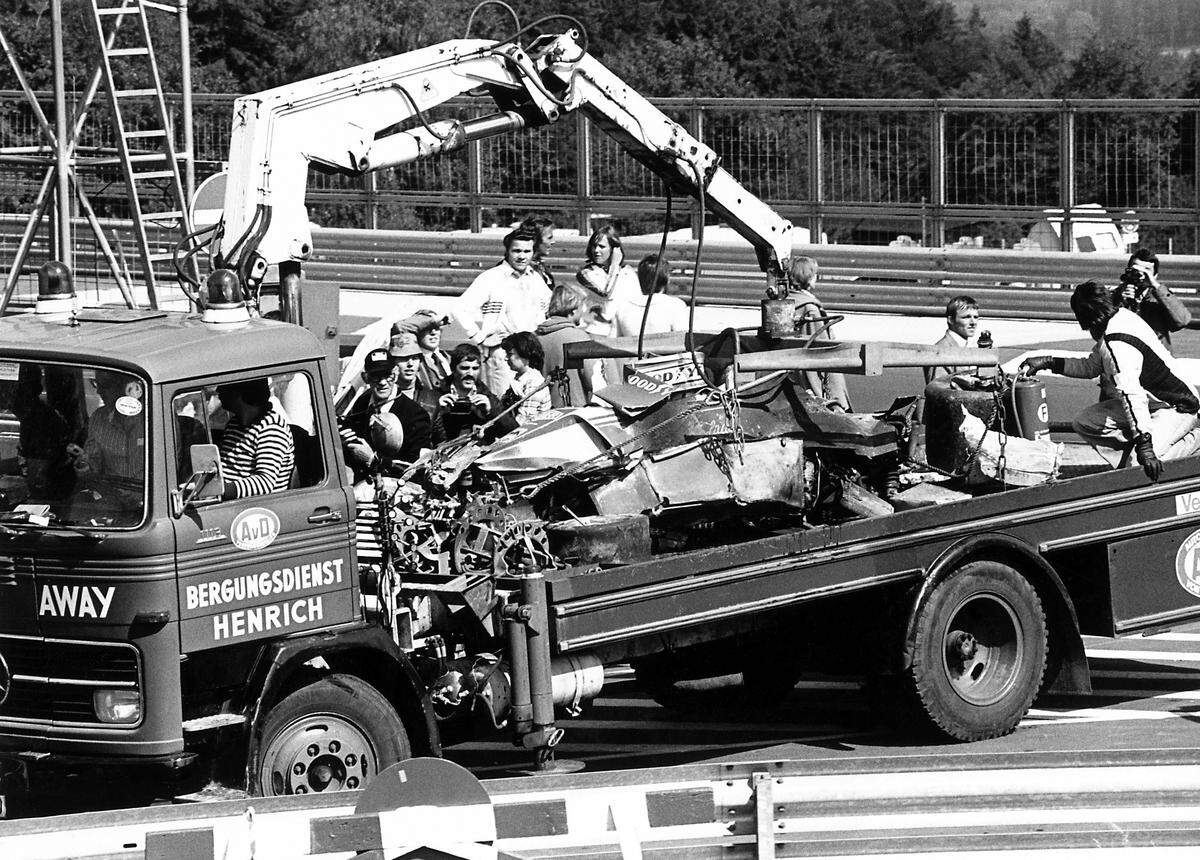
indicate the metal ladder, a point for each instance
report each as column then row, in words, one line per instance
column 142, row 163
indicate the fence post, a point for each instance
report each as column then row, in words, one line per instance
column 583, row 157
column 816, row 172
column 1196, row 178
column 1066, row 173
column 696, row 121
column 475, row 185
column 372, row 200
column 937, row 175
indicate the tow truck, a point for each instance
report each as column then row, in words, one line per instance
column 722, row 519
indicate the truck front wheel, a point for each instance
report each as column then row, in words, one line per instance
column 978, row 651
column 331, row 735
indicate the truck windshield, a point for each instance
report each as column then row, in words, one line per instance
column 72, row 445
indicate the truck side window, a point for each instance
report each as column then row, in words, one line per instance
column 191, row 428
column 200, row 418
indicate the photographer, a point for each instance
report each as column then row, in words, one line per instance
column 1141, row 292
column 465, row 401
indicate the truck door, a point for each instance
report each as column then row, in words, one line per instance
column 273, row 563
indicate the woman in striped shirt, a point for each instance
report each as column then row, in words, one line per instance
column 257, row 451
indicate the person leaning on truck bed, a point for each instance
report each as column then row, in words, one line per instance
column 257, row 450
column 568, row 304
column 809, row 320
column 1155, row 407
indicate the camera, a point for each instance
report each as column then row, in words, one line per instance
column 1139, row 281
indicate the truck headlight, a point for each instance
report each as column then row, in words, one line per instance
column 117, row 706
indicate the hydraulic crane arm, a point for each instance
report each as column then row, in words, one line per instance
column 346, row 121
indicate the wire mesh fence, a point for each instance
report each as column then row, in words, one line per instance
column 953, row 171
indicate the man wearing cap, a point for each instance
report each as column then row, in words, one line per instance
column 503, row 300
column 382, row 374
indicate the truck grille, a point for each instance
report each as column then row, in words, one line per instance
column 53, row 679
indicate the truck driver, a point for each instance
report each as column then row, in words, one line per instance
column 257, row 450
column 1155, row 406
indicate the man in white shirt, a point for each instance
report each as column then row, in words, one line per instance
column 962, row 329
column 667, row 313
column 503, row 300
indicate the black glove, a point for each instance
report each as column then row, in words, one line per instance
column 1034, row 363
column 1143, row 447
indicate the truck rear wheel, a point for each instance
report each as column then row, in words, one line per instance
column 332, row 735
column 978, row 652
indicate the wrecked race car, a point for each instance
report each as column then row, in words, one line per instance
column 668, row 461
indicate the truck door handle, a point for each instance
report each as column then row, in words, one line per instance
column 325, row 515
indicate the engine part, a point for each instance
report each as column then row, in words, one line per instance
column 945, row 404
column 617, row 539
column 574, row 679
column 521, row 545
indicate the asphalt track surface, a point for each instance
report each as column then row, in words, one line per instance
column 1145, row 701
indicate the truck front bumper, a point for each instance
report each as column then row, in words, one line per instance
column 68, row 780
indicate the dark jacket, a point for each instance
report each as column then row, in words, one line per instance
column 415, row 421
column 553, row 334
column 454, row 421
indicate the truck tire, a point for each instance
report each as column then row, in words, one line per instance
column 978, row 652
column 331, row 735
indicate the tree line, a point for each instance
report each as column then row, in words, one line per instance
column 769, row 48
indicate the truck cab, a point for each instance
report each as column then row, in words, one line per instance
column 134, row 619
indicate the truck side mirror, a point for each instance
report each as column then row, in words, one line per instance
column 206, row 485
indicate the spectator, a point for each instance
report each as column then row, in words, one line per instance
column 257, row 451
column 526, row 358
column 503, row 300
column 962, row 330
column 568, row 304
column 666, row 313
column 434, row 365
column 606, row 277
column 382, row 377
column 810, row 320
column 465, row 401
column 543, row 230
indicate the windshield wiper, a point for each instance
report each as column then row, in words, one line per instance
column 23, row 518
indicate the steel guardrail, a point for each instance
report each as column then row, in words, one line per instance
column 913, row 281
column 754, row 809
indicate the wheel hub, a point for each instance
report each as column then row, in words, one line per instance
column 984, row 649
column 317, row 754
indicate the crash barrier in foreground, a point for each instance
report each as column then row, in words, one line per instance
column 855, row 278
column 430, row 807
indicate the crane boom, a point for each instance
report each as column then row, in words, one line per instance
column 346, row 122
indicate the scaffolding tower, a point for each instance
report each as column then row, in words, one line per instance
column 155, row 153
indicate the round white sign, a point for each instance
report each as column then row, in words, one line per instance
column 253, row 529
column 129, row 406
column 1187, row 564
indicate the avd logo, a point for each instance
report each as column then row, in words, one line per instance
column 254, row 528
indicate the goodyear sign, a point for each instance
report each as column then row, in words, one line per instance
column 240, row 606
